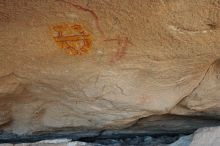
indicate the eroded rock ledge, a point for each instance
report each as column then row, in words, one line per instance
column 168, row 125
column 208, row 136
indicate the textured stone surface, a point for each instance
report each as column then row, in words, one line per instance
column 204, row 98
column 147, row 58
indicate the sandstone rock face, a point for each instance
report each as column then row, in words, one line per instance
column 204, row 98
column 104, row 64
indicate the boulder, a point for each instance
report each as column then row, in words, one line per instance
column 207, row 137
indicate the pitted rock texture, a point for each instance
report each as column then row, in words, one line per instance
column 147, row 58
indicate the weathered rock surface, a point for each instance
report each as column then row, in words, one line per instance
column 147, row 58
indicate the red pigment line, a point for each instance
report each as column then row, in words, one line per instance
column 121, row 51
column 87, row 10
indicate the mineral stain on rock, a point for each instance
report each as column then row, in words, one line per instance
column 73, row 38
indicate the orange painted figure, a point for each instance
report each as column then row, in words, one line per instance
column 72, row 38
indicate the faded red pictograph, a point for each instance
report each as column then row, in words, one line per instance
column 123, row 44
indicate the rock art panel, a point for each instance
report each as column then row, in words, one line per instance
column 144, row 58
column 74, row 39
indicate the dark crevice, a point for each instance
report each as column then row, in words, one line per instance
column 156, row 126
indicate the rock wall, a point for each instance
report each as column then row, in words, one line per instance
column 104, row 64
